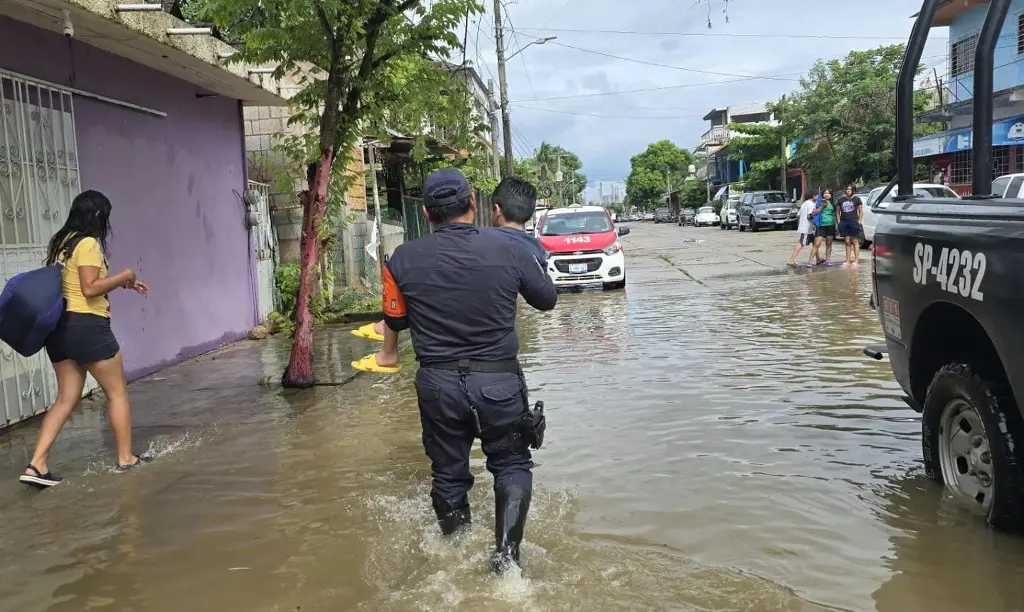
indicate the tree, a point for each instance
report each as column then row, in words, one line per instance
column 543, row 170
column 347, row 56
column 693, row 193
column 759, row 145
column 653, row 171
column 845, row 113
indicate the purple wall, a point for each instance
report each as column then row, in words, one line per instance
column 175, row 185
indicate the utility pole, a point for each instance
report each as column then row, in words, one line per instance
column 668, row 189
column 506, row 122
column 783, row 174
column 494, row 130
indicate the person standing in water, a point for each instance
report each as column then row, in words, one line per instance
column 805, row 230
column 83, row 341
column 851, row 210
column 456, row 290
column 515, row 201
column 825, row 214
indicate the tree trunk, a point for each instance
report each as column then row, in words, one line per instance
column 299, row 373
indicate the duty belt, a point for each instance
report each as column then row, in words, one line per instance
column 504, row 366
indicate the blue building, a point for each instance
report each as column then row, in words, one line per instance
column 950, row 151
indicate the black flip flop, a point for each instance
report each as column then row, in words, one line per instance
column 131, row 466
column 43, row 481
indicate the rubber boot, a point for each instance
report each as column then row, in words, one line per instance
column 450, row 517
column 511, row 504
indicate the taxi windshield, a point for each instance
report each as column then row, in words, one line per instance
column 567, row 224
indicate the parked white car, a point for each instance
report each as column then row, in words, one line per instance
column 729, row 215
column 870, row 221
column 1009, row 186
column 706, row 216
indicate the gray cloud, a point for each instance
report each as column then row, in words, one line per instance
column 605, row 144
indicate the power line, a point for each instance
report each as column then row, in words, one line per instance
column 710, row 34
column 562, row 112
column 558, row 12
column 645, row 90
column 683, row 68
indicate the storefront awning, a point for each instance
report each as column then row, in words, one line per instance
column 1006, row 132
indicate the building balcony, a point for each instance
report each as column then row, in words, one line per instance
column 716, row 136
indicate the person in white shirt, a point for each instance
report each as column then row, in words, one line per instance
column 805, row 230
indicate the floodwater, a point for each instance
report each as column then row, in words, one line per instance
column 710, row 447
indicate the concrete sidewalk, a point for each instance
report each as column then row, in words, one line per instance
column 235, row 383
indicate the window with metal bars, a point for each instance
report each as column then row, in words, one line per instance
column 960, row 171
column 1020, row 33
column 1000, row 161
column 961, row 56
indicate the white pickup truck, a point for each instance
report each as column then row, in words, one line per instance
column 1009, row 186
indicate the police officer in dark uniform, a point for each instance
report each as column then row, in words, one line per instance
column 455, row 290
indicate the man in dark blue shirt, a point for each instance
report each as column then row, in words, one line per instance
column 455, row 290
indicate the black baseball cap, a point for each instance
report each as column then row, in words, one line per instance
column 445, row 187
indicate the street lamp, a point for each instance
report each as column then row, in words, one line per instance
column 539, row 41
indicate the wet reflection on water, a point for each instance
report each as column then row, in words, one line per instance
column 716, row 447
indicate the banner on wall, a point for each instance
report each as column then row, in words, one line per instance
column 1007, row 132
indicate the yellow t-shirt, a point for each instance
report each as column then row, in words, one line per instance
column 87, row 253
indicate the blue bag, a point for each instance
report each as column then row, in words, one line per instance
column 31, row 306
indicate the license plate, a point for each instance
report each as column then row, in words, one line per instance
column 780, row 221
column 577, row 268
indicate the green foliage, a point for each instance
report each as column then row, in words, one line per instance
column 760, row 146
column 847, row 108
column 693, row 193
column 542, row 169
column 287, row 280
column 653, row 170
column 348, row 56
column 357, row 300
column 477, row 169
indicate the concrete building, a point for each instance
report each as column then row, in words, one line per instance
column 722, row 171
column 949, row 152
column 96, row 98
column 485, row 113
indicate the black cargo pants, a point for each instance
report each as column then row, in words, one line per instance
column 449, row 428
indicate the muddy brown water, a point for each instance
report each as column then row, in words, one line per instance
column 716, row 447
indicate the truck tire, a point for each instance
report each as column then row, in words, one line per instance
column 970, row 437
column 753, row 225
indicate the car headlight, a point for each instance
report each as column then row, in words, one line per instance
column 612, row 249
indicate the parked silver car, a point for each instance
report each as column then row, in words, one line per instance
column 763, row 209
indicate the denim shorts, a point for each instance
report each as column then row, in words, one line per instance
column 83, row 338
column 849, row 229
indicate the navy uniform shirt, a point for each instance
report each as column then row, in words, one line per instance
column 456, row 291
column 522, row 237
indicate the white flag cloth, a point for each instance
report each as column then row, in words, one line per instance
column 371, row 248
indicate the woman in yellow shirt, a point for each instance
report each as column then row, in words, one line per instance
column 83, row 341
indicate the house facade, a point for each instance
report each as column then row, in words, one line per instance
column 721, row 171
column 949, row 152
column 140, row 106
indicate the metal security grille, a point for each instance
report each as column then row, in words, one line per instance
column 960, row 171
column 39, row 177
column 961, row 56
column 1020, row 33
column 264, row 245
column 1000, row 161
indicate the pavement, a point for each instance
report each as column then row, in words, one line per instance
column 668, row 252
column 237, row 382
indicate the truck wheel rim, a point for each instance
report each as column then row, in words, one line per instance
column 965, row 453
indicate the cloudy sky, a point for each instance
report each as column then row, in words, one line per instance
column 564, row 91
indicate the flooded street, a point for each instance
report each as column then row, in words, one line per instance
column 716, row 441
